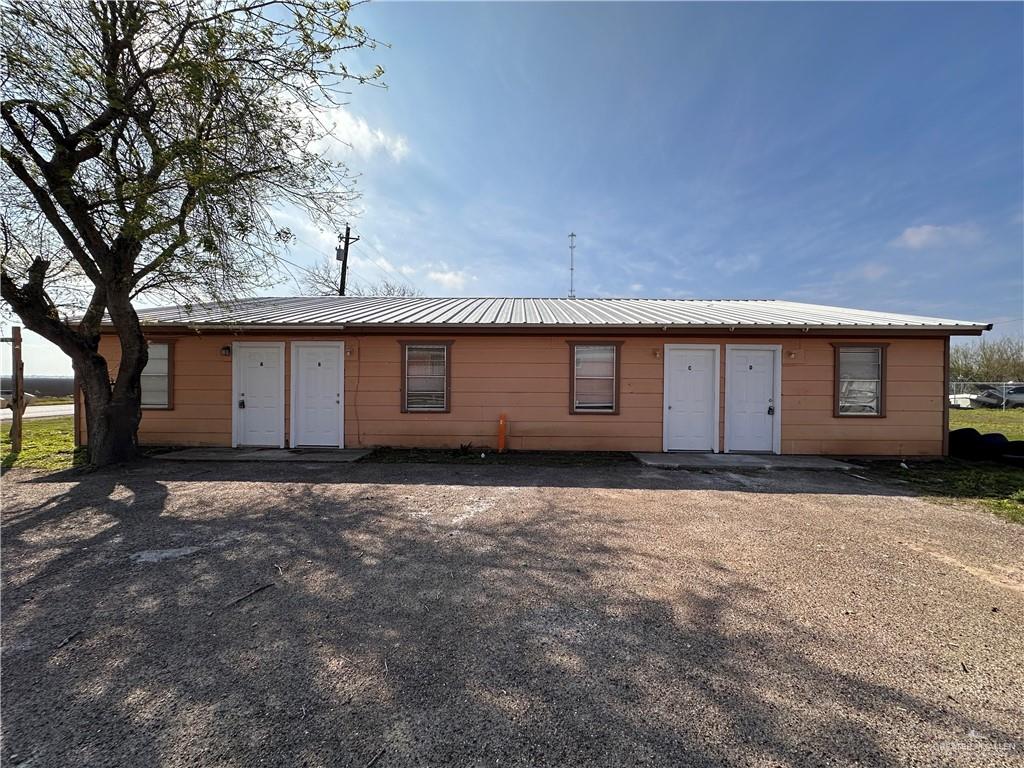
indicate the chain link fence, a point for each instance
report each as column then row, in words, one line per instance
column 986, row 394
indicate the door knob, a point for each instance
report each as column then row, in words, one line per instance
column 241, row 403
column 771, row 410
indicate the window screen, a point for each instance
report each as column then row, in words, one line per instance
column 594, row 378
column 156, row 378
column 859, row 377
column 426, row 378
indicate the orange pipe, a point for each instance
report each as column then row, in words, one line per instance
column 502, row 432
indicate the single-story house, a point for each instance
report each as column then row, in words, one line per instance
column 568, row 374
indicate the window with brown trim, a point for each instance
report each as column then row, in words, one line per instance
column 594, row 372
column 859, row 380
column 426, row 377
column 157, row 380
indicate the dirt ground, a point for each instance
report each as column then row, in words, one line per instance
column 503, row 616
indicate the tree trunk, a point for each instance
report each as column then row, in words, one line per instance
column 112, row 408
column 111, row 422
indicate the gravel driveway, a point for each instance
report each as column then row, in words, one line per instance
column 478, row 616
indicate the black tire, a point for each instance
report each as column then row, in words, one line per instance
column 963, row 443
column 1013, row 453
column 991, row 445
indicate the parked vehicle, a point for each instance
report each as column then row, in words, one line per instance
column 986, row 394
column 1015, row 397
column 990, row 397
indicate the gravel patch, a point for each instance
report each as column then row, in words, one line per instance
column 433, row 615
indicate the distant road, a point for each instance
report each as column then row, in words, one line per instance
column 41, row 411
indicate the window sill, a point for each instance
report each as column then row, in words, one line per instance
column 157, row 407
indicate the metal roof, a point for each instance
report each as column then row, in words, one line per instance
column 324, row 312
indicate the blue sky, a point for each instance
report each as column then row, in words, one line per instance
column 861, row 155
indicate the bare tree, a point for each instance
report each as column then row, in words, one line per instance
column 324, row 278
column 145, row 146
column 988, row 360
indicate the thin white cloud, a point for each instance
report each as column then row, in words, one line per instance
column 733, row 265
column 450, row 279
column 871, row 271
column 936, row 236
column 353, row 134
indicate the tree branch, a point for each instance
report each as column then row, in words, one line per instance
column 53, row 216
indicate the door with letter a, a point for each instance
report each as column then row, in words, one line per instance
column 258, row 392
column 317, row 394
column 691, row 397
column 751, row 399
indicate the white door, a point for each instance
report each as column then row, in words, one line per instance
column 691, row 405
column 259, row 394
column 750, row 400
column 317, row 394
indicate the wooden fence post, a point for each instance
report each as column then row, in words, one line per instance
column 17, row 390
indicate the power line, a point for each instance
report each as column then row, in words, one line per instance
column 380, row 263
column 373, row 262
column 398, row 276
column 353, row 278
column 383, row 260
column 362, row 279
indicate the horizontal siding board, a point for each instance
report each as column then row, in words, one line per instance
column 893, row 420
column 521, row 428
column 557, row 415
column 920, row 388
column 500, row 400
column 790, row 386
column 532, row 371
column 528, row 378
column 864, row 430
column 795, row 373
column 218, row 440
column 179, row 424
column 221, row 411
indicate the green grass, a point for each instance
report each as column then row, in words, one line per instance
column 997, row 487
column 1009, row 422
column 45, row 444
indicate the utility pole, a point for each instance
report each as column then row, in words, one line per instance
column 572, row 265
column 341, row 253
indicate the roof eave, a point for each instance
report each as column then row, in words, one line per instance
column 952, row 330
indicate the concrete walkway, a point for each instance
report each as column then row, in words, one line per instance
column 307, row 455
column 708, row 461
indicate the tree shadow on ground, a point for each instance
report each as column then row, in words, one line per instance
column 500, row 628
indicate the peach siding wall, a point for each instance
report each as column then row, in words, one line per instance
column 527, row 377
